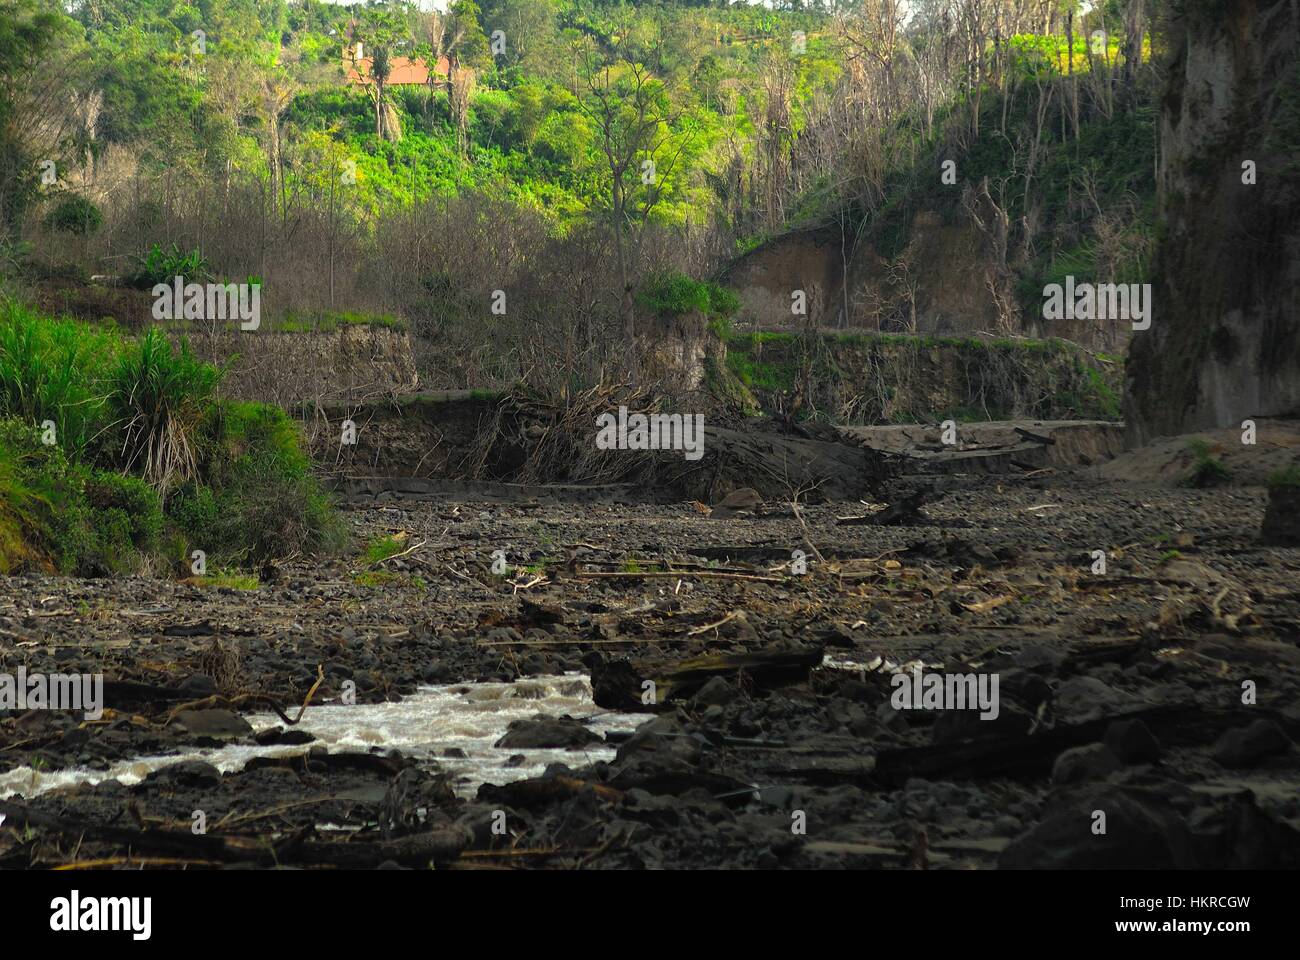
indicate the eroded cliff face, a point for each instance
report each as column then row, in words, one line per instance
column 938, row 284
column 1224, row 342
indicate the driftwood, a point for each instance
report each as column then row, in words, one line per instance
column 677, row 574
column 618, row 685
column 438, row 846
column 541, row 792
column 418, row 849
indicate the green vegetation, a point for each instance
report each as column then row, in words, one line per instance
column 228, row 580
column 1285, row 479
column 1206, row 470
column 612, row 154
column 381, row 548
column 375, row 579
column 163, row 266
column 115, row 452
column 328, row 321
column 69, row 516
column 673, row 294
column 74, row 214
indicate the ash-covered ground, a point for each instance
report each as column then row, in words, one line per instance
column 1144, row 715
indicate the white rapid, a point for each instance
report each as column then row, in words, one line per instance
column 470, row 717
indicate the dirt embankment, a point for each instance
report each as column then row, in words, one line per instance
column 1173, row 460
column 868, row 378
column 936, row 285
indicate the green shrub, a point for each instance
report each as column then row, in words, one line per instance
column 163, row 266
column 381, row 548
column 75, row 214
column 258, row 499
column 672, row 293
column 1207, row 470
column 229, row 478
column 75, row 519
column 1287, row 478
column 132, row 503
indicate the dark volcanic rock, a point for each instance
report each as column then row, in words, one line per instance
column 716, row 692
column 1142, row 830
column 1094, row 761
column 543, row 732
column 188, row 773
column 1282, row 517
column 1247, row 746
column 282, row 737
column 1132, row 742
column 213, row 723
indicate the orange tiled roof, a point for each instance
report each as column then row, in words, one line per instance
column 403, row 70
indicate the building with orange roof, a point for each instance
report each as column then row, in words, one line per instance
column 403, row 71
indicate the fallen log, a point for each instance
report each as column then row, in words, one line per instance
column 418, row 849
column 437, row 846
column 541, row 792
column 620, row 685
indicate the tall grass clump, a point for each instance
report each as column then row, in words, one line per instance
column 49, row 370
column 142, row 454
column 20, row 508
column 157, row 396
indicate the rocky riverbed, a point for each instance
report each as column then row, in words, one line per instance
column 729, row 697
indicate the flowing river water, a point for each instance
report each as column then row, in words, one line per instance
column 432, row 723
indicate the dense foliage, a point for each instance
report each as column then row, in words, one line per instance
column 115, row 453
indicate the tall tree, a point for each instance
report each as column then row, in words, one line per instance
column 36, row 126
column 381, row 30
column 633, row 116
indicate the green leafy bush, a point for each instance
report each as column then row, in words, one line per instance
column 1207, row 470
column 75, row 214
column 73, row 518
column 139, row 457
column 258, row 499
column 163, row 266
